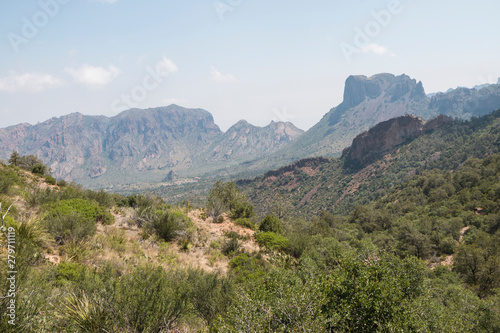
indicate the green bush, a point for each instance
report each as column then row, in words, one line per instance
column 85, row 208
column 245, row 223
column 272, row 241
column 168, row 224
column 70, row 227
column 67, row 271
column 210, row 294
column 271, row 223
column 242, row 209
column 5, row 183
column 150, row 300
column 62, row 183
column 247, row 268
column 39, row 169
column 231, row 245
column 50, row 180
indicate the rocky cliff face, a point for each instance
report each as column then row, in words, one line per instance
column 385, row 136
column 139, row 145
column 78, row 147
column 371, row 100
column 246, row 141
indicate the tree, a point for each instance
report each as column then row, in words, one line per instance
column 225, row 197
column 271, row 223
column 14, row 158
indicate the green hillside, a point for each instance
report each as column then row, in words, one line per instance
column 420, row 255
column 309, row 187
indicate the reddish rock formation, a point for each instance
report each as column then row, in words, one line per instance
column 372, row 144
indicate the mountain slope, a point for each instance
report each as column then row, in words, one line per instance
column 371, row 100
column 140, row 145
column 307, row 187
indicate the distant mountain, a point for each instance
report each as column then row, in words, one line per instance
column 371, row 100
column 139, row 145
column 245, row 142
column 376, row 162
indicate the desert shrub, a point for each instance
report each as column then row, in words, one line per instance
column 272, row 241
column 7, row 179
column 39, row 169
column 86, row 209
column 325, row 252
column 167, row 224
column 374, row 295
column 150, row 300
column 210, row 294
column 231, row 245
column 70, row 227
column 242, row 209
column 271, row 223
column 50, row 180
column 226, row 197
column 66, row 272
column 247, row 268
column 245, row 223
column 283, row 303
column 62, row 183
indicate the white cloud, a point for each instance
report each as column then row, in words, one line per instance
column 107, row 1
column 93, row 76
column 378, row 50
column 29, row 82
column 219, row 77
column 166, row 66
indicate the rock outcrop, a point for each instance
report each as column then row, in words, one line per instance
column 385, row 136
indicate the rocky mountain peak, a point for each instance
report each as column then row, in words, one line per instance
column 359, row 88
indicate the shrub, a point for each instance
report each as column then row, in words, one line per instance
column 245, row 223
column 67, row 271
column 247, row 268
column 5, row 183
column 168, row 224
column 70, row 227
column 150, row 300
column 271, row 223
column 272, row 241
column 62, row 183
column 87, row 209
column 39, row 169
column 50, row 180
column 230, row 246
column 211, row 294
column 242, row 209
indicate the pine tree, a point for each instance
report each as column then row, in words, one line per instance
column 14, row 158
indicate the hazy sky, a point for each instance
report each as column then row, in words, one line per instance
column 239, row 59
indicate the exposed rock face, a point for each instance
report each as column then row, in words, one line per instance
column 371, row 100
column 464, row 102
column 246, row 141
column 385, row 136
column 139, row 145
column 78, row 147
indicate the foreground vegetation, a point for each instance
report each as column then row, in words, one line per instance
column 423, row 257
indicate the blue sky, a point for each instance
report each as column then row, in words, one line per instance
column 239, row 59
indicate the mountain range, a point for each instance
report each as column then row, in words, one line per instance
column 144, row 146
column 139, row 145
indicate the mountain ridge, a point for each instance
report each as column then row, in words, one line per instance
column 135, row 145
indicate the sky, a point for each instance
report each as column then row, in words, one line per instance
column 258, row 60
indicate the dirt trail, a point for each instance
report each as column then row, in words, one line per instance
column 448, row 261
